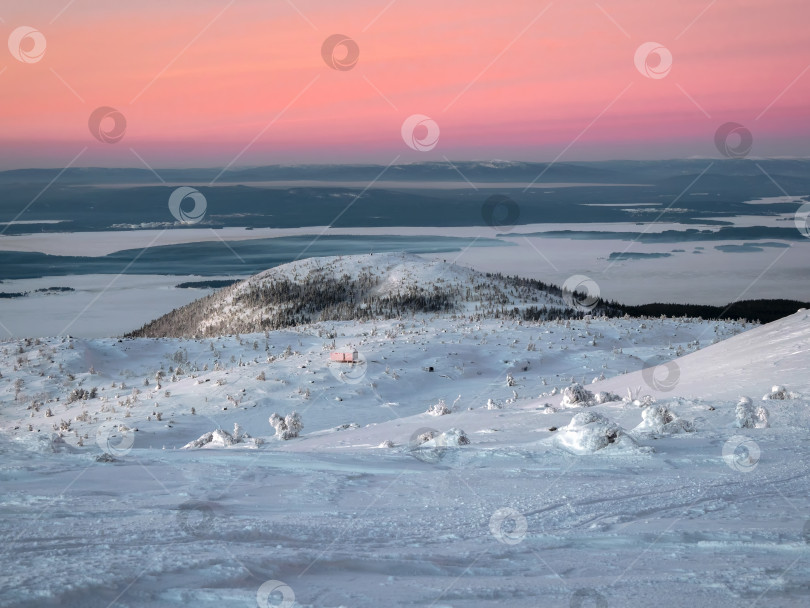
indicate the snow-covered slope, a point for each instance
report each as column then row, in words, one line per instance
column 512, row 497
column 774, row 354
column 706, row 384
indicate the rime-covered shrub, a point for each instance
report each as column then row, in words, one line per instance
column 660, row 420
column 438, row 409
column 288, row 427
column 423, row 438
column 77, row 394
column 634, row 397
column 605, row 397
column 576, row 394
column 221, row 439
column 748, row 416
column 449, row 438
column 779, row 392
column 218, row 438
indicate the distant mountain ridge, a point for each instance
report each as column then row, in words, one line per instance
column 614, row 171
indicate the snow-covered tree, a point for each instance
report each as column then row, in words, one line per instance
column 750, row 417
column 287, row 427
column 438, row 409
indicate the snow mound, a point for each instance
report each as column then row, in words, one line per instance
column 779, row 392
column 40, row 443
column 750, row 417
column 606, row 397
column 575, row 395
column 346, row 427
column 660, row 420
column 589, row 432
column 450, row 438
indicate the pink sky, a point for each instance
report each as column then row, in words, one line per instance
column 198, row 81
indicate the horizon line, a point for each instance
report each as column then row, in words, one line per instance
column 716, row 159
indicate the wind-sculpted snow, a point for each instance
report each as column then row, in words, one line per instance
column 660, row 420
column 589, row 432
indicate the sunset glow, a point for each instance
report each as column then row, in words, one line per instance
column 213, row 83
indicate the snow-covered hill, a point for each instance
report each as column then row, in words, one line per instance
column 524, row 492
column 361, row 287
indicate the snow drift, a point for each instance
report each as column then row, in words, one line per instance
column 590, row 432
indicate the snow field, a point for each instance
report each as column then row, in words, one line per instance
column 614, row 507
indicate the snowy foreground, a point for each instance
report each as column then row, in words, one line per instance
column 379, row 503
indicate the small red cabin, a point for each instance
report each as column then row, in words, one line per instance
column 351, row 357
